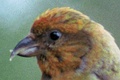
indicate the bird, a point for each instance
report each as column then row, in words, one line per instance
column 68, row 45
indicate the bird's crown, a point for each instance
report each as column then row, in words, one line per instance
column 65, row 19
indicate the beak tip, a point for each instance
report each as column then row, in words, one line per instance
column 12, row 56
column 10, row 59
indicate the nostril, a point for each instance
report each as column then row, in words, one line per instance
column 31, row 35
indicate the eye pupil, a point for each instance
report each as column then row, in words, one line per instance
column 55, row 35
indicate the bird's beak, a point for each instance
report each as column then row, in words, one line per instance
column 26, row 48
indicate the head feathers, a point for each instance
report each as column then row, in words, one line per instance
column 65, row 19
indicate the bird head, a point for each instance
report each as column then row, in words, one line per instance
column 58, row 40
column 69, row 46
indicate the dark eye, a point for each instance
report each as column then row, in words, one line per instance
column 55, row 35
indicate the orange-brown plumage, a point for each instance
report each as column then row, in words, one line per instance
column 60, row 18
column 70, row 46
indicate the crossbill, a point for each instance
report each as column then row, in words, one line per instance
column 69, row 45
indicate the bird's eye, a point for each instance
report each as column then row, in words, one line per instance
column 55, row 35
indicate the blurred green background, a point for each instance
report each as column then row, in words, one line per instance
column 17, row 17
